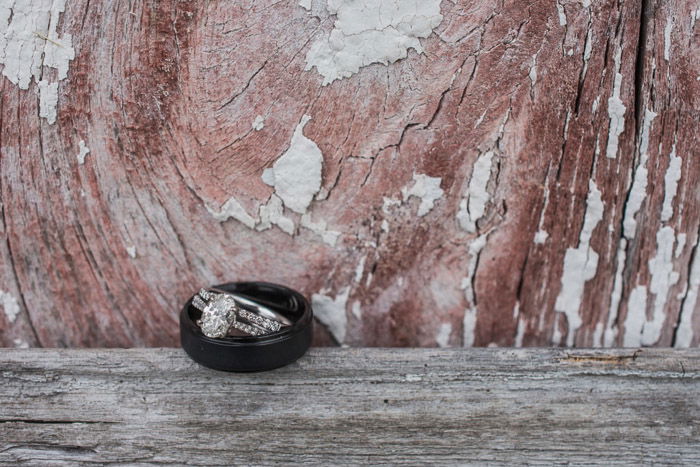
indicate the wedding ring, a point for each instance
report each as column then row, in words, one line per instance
column 238, row 351
column 222, row 312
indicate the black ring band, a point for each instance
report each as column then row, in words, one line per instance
column 251, row 353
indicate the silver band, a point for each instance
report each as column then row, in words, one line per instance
column 223, row 311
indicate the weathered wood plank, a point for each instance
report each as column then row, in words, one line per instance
column 348, row 406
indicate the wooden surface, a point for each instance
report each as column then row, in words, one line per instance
column 354, row 406
column 529, row 179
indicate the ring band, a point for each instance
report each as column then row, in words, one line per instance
column 251, row 352
column 222, row 312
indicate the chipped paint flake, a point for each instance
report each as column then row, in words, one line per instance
column 427, row 189
column 20, row 344
column 541, row 237
column 359, row 39
column 616, row 111
column 360, row 268
column 388, row 204
column 320, row 228
column 442, row 337
column 673, row 175
column 562, row 14
column 663, row 277
column 296, row 175
column 680, row 245
column 473, row 206
column 131, row 251
column 272, row 213
column 610, row 332
column 636, row 317
column 48, row 100
column 684, row 334
column 357, row 310
column 10, row 305
column 259, row 123
column 667, row 38
column 29, row 42
column 232, row 209
column 638, row 192
column 469, row 320
column 580, row 265
column 331, row 312
column 469, row 327
column 84, row 151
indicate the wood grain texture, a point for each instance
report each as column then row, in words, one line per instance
column 352, row 406
column 535, row 119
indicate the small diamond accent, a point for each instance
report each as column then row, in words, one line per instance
column 261, row 321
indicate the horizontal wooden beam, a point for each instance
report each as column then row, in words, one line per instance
column 348, row 406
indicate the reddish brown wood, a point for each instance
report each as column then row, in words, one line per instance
column 165, row 94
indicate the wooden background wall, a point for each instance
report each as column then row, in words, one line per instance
column 514, row 173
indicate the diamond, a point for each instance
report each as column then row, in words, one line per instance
column 218, row 316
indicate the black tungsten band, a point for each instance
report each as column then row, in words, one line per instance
column 251, row 353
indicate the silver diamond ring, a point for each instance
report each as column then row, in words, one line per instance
column 223, row 311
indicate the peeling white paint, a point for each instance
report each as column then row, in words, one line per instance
column 272, row 213
column 320, row 228
column 520, row 333
column 667, row 38
column 469, row 320
column 680, row 245
column 562, row 14
column 598, row 335
column 469, row 327
column 20, row 344
column 580, row 264
column 533, row 72
column 663, row 277
column 84, row 151
column 616, row 111
column 557, row 337
column 684, row 334
column 29, row 41
column 48, row 100
column 296, row 175
column 131, row 251
column 443, row 335
column 541, row 237
column 259, row 123
column 10, row 305
column 473, row 206
column 636, row 317
column 232, row 209
column 331, row 312
column 427, row 189
column 359, row 38
column 360, row 269
column 385, row 226
column 638, row 192
column 673, row 175
column 388, row 203
column 357, row 310
column 475, row 248
column 596, row 103
column 610, row 332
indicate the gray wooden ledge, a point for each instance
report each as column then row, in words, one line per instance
column 353, row 406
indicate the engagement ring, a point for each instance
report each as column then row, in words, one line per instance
column 224, row 311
